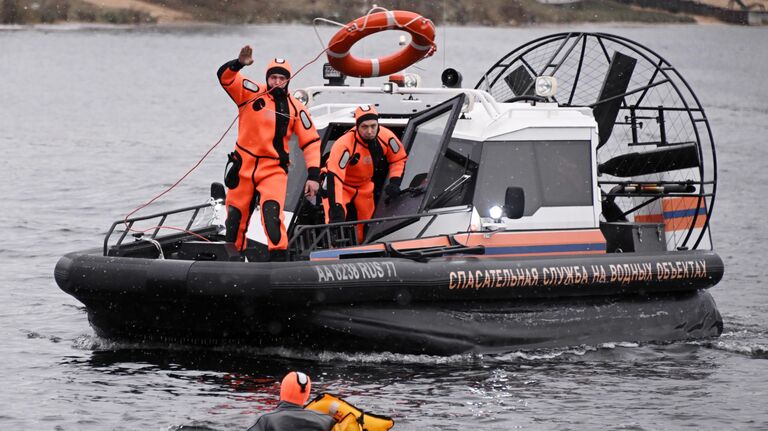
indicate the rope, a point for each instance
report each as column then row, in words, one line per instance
column 200, row 161
column 210, row 150
column 352, row 27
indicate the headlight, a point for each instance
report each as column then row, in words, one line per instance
column 546, row 86
column 495, row 212
column 302, row 96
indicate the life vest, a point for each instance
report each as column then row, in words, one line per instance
column 348, row 423
column 349, row 417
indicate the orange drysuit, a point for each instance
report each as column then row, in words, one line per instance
column 350, row 174
column 268, row 118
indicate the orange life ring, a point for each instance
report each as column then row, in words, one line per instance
column 422, row 43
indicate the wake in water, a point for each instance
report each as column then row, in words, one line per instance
column 220, row 354
column 741, row 338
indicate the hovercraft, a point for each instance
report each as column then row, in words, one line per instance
column 564, row 200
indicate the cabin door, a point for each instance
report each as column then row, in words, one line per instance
column 425, row 138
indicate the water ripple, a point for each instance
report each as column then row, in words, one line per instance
column 101, row 160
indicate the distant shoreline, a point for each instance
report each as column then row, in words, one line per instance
column 182, row 25
column 494, row 13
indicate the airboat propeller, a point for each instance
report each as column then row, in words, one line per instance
column 656, row 156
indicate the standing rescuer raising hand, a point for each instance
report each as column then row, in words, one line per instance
column 268, row 116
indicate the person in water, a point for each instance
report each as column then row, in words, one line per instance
column 268, row 117
column 359, row 160
column 290, row 413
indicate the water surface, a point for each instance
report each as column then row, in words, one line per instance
column 93, row 122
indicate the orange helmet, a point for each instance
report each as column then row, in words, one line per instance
column 295, row 388
column 365, row 113
column 279, row 66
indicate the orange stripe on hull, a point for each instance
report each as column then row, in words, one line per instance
column 556, row 237
column 676, row 212
column 548, row 243
column 564, row 253
column 677, row 204
column 684, row 223
column 439, row 241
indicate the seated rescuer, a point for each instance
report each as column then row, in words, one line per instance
column 268, row 116
column 357, row 158
column 290, row 414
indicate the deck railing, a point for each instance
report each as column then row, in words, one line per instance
column 195, row 211
column 305, row 238
column 309, row 238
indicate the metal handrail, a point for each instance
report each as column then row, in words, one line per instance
column 324, row 231
column 483, row 97
column 162, row 215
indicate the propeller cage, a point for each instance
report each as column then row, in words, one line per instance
column 655, row 147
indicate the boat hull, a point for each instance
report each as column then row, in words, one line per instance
column 441, row 306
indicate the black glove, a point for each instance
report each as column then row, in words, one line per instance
column 232, row 170
column 323, row 192
column 393, row 188
column 313, row 174
column 336, row 214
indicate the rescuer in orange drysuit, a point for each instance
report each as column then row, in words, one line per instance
column 267, row 119
column 357, row 158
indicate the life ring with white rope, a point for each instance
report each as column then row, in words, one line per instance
column 422, row 43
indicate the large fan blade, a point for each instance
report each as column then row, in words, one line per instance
column 651, row 162
column 615, row 84
column 520, row 82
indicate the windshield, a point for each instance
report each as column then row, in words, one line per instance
column 455, row 174
column 424, row 147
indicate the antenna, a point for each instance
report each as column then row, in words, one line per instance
column 445, row 23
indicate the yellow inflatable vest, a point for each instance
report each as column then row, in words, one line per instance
column 349, row 417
